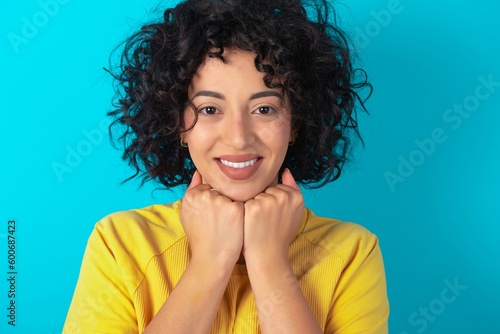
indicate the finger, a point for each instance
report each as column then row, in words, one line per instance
column 288, row 180
column 266, row 194
column 195, row 180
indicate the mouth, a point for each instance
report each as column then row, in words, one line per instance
column 240, row 167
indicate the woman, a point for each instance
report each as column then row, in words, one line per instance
column 240, row 100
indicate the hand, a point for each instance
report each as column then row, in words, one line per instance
column 213, row 224
column 271, row 221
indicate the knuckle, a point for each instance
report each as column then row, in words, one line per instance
column 188, row 197
column 232, row 207
column 251, row 206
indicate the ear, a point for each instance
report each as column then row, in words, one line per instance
column 182, row 130
column 293, row 134
column 295, row 130
column 183, row 143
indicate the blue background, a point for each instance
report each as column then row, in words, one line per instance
column 437, row 221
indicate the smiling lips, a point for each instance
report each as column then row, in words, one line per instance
column 238, row 164
column 239, row 167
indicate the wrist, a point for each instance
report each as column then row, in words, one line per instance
column 217, row 269
column 267, row 264
column 266, row 257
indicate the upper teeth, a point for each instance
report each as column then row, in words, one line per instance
column 238, row 164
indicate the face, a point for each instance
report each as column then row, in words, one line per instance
column 240, row 139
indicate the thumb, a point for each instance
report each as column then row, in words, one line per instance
column 288, row 180
column 195, row 180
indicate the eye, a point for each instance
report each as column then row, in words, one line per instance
column 265, row 110
column 208, row 110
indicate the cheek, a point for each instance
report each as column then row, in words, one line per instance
column 196, row 133
column 277, row 132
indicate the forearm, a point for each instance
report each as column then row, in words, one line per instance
column 193, row 303
column 280, row 303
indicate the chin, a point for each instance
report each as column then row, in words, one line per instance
column 240, row 196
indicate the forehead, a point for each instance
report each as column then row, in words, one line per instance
column 238, row 67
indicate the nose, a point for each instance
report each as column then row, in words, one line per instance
column 238, row 130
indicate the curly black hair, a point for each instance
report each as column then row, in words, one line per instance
column 296, row 44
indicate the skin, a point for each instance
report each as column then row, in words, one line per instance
column 237, row 116
column 255, row 216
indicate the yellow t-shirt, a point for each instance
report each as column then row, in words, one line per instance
column 135, row 258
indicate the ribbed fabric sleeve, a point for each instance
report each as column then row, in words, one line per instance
column 134, row 259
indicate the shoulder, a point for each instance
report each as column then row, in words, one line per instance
column 151, row 218
column 353, row 263
column 140, row 234
column 346, row 239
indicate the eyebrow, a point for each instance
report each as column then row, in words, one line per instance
column 258, row 95
column 210, row 93
column 266, row 94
